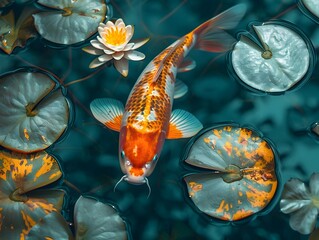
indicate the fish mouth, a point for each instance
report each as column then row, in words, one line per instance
column 136, row 180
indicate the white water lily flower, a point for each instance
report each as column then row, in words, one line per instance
column 113, row 43
column 302, row 203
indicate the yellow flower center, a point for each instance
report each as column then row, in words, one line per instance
column 115, row 36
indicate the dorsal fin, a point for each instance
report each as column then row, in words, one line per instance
column 160, row 58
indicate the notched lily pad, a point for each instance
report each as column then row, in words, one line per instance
column 273, row 57
column 22, row 205
column 34, row 112
column 92, row 220
column 240, row 178
column 15, row 33
column 70, row 22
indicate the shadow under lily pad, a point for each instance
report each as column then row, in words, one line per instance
column 241, row 177
column 34, row 112
column 21, row 206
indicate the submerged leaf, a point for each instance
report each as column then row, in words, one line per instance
column 242, row 180
column 34, row 113
column 13, row 34
column 69, row 22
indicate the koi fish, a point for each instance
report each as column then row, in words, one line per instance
column 147, row 118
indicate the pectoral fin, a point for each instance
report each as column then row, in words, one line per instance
column 108, row 111
column 183, row 125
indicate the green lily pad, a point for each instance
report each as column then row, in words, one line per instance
column 34, row 112
column 70, row 22
column 21, row 206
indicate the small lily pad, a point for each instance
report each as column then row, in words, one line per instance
column 16, row 33
column 34, row 112
column 70, row 22
column 93, row 220
column 21, row 206
column 241, row 177
column 273, row 57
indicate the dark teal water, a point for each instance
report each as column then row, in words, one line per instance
column 88, row 153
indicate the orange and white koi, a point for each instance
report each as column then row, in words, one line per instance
column 147, row 119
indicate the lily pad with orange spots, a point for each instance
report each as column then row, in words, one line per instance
column 22, row 204
column 70, row 22
column 34, row 111
column 241, row 177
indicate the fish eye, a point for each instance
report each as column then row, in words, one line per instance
column 122, row 154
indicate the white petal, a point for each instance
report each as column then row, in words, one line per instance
column 101, row 30
column 95, row 63
column 102, row 25
column 304, row 220
column 134, row 55
column 118, row 55
column 314, row 184
column 105, row 58
column 140, row 43
column 92, row 50
column 100, row 40
column 109, row 24
column 108, row 51
column 128, row 47
column 295, row 196
column 119, row 22
column 97, row 44
column 122, row 67
column 129, row 32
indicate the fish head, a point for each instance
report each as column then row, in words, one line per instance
column 139, row 153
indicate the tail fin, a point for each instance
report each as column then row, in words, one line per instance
column 211, row 36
